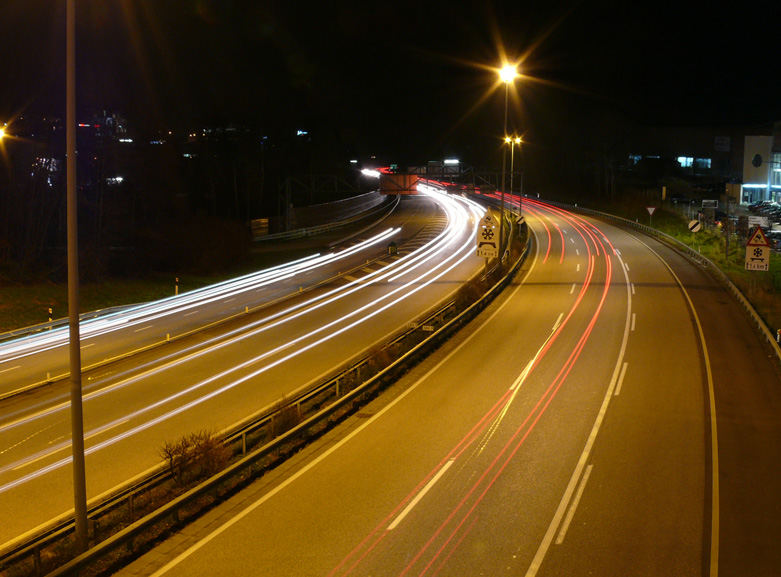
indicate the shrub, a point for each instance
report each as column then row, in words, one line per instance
column 195, row 456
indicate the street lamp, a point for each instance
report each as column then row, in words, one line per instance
column 508, row 73
column 77, row 415
column 512, row 141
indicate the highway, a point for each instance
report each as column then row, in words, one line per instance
column 216, row 378
column 612, row 414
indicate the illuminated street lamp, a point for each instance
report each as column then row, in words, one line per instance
column 508, row 73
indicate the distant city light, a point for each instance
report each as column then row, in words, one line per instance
column 451, row 161
column 115, row 180
column 301, row 132
column 371, row 172
column 353, row 161
column 128, row 140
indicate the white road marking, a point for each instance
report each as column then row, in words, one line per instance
column 10, row 369
column 714, row 441
column 190, row 313
column 558, row 515
column 621, row 379
column 50, row 453
column 572, row 288
column 143, row 328
column 420, row 495
column 633, row 321
column 573, row 506
column 289, row 480
column 87, row 346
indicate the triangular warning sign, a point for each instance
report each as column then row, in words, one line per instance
column 757, row 238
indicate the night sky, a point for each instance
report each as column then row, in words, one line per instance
column 404, row 79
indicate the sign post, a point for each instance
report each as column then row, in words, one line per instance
column 487, row 242
column 758, row 251
column 651, row 210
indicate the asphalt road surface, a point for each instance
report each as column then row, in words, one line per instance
column 612, row 414
column 216, row 378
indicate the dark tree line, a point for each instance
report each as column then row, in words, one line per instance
column 173, row 202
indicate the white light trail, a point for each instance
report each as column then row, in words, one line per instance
column 459, row 220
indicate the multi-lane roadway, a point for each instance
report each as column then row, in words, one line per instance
column 612, row 414
column 162, row 387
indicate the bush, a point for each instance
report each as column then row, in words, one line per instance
column 195, row 456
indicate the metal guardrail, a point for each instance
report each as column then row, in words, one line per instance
column 43, row 327
column 330, row 401
column 383, row 209
column 694, row 256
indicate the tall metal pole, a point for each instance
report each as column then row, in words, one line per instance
column 512, row 164
column 77, row 416
column 504, row 168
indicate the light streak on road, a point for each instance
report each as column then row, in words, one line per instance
column 448, row 535
column 462, row 224
column 179, row 304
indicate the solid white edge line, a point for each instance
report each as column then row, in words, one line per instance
column 420, row 495
column 714, row 535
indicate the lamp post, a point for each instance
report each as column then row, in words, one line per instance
column 77, row 418
column 512, row 141
column 507, row 74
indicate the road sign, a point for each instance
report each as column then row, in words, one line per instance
column 695, row 225
column 650, row 210
column 758, row 251
column 755, row 220
column 758, row 238
column 487, row 238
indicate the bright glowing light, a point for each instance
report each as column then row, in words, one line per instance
column 451, row 161
column 457, row 246
column 370, row 172
column 508, row 73
column 2, row 133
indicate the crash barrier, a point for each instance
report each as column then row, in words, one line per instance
column 693, row 256
column 339, row 220
column 260, row 442
column 346, row 213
